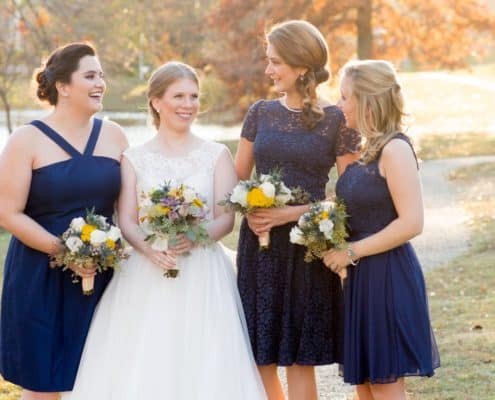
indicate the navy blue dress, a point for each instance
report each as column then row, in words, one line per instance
column 44, row 316
column 293, row 308
column 387, row 327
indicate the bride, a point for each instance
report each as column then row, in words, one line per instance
column 175, row 339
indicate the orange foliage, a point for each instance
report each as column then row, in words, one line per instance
column 428, row 34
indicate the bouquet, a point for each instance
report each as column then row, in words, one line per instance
column 263, row 191
column 171, row 210
column 90, row 242
column 322, row 228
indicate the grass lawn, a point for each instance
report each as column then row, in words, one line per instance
column 462, row 302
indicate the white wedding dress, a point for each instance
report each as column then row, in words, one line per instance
column 173, row 339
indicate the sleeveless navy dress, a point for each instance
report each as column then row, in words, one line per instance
column 293, row 308
column 387, row 332
column 45, row 316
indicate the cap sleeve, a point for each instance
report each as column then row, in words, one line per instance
column 348, row 139
column 250, row 124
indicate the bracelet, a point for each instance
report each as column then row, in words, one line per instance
column 352, row 255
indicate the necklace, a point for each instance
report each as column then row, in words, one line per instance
column 283, row 101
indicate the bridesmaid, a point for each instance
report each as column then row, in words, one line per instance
column 293, row 309
column 51, row 171
column 387, row 328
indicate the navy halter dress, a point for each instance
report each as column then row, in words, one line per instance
column 44, row 316
column 387, row 332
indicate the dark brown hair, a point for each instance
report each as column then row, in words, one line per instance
column 59, row 68
column 301, row 44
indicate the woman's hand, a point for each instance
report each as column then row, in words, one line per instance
column 264, row 219
column 336, row 260
column 162, row 259
column 83, row 271
column 183, row 245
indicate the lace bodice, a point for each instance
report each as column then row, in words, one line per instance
column 196, row 169
column 304, row 156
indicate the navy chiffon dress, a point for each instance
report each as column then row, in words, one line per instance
column 45, row 316
column 293, row 308
column 387, row 332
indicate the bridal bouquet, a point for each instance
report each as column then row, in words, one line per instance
column 171, row 210
column 90, row 242
column 320, row 229
column 263, row 191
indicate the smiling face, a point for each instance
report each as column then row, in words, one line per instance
column 348, row 103
column 86, row 87
column 283, row 75
column 179, row 105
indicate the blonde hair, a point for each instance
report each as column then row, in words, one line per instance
column 162, row 78
column 301, row 44
column 380, row 103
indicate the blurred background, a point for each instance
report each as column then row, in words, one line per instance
column 445, row 52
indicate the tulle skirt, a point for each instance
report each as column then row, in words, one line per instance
column 181, row 338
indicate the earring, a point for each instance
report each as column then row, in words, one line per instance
column 301, row 78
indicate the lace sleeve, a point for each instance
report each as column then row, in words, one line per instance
column 348, row 140
column 250, row 124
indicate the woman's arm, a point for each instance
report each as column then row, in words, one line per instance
column 15, row 181
column 223, row 220
column 225, row 180
column 244, row 159
column 398, row 166
column 129, row 218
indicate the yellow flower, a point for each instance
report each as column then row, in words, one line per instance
column 158, row 210
column 110, row 244
column 86, row 232
column 324, row 215
column 165, row 210
column 198, row 203
column 110, row 259
column 256, row 198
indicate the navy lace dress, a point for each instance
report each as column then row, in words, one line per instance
column 293, row 308
column 387, row 332
column 44, row 316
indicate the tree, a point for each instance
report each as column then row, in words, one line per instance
column 429, row 34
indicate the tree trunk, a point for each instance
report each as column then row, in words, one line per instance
column 6, row 107
column 365, row 33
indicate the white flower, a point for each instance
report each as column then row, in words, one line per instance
column 239, row 195
column 268, row 189
column 189, row 195
column 302, row 222
column 74, row 244
column 77, row 224
column 184, row 210
column 328, row 205
column 160, row 243
column 326, row 227
column 114, row 234
column 265, row 178
column 285, row 195
column 102, row 220
column 145, row 203
column 97, row 237
column 296, row 236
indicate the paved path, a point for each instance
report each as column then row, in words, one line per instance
column 444, row 237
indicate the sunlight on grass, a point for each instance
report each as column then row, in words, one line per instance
column 444, row 101
column 432, row 147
